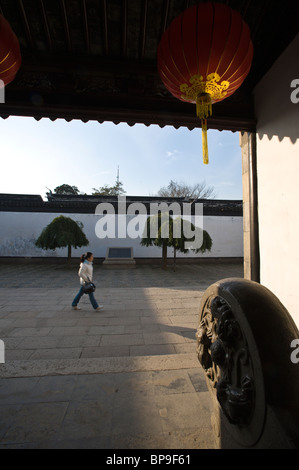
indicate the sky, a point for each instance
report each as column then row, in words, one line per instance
column 41, row 155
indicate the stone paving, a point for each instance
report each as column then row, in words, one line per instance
column 124, row 378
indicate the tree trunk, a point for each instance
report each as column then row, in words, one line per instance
column 164, row 256
column 174, row 259
column 69, row 254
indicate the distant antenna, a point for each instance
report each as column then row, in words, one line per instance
column 117, row 179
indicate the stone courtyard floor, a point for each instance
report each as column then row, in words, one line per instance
column 124, row 378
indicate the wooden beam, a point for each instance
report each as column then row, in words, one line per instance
column 85, row 22
column 25, row 23
column 105, row 27
column 164, row 21
column 66, row 25
column 143, row 29
column 45, row 23
column 118, row 108
column 124, row 27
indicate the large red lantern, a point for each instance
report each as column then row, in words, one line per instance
column 10, row 56
column 204, row 57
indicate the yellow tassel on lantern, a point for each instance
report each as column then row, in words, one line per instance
column 203, row 111
column 203, row 105
column 205, row 152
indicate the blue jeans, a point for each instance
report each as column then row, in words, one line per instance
column 80, row 294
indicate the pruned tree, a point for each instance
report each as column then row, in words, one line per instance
column 62, row 232
column 188, row 191
column 164, row 231
column 152, row 236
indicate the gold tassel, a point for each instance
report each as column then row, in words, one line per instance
column 205, row 151
column 203, row 111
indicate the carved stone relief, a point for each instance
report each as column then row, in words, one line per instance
column 223, row 353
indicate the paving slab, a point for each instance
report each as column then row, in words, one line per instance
column 124, row 378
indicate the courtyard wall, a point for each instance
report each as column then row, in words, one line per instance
column 23, row 218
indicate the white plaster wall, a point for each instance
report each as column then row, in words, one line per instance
column 278, row 176
column 19, row 230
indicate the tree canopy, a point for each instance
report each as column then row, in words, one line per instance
column 62, row 232
column 105, row 190
column 116, row 190
column 182, row 189
column 66, row 189
column 164, row 231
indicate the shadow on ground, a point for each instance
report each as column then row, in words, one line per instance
column 124, row 378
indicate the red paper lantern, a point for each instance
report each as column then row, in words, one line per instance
column 204, row 57
column 10, row 56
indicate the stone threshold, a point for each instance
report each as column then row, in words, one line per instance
column 104, row 365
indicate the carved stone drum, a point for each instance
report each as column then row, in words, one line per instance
column 244, row 342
